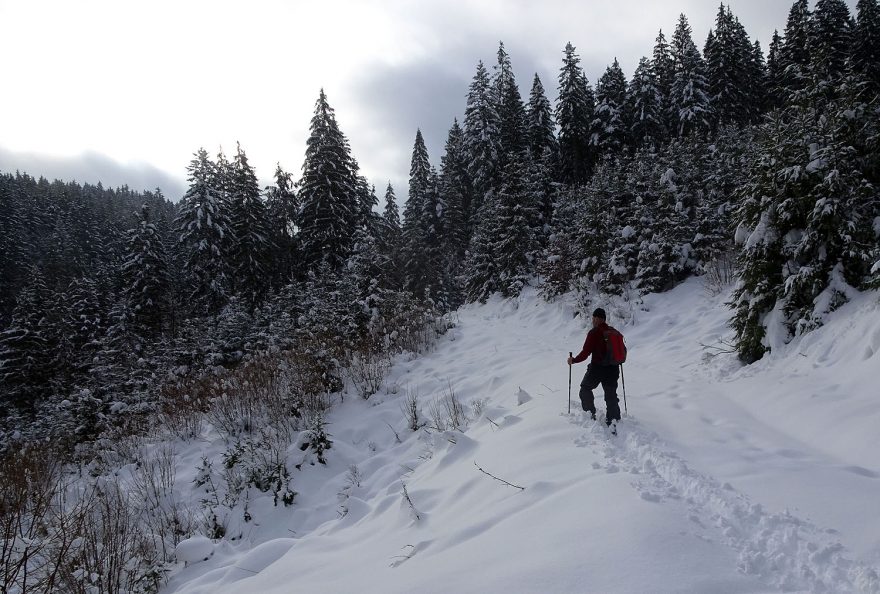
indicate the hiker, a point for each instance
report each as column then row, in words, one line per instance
column 599, row 371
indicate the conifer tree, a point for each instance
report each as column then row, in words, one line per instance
column 415, row 242
column 830, row 39
column 282, row 207
column 574, row 113
column 511, row 112
column 203, row 230
column 146, row 281
column 455, row 190
column 644, row 107
column 540, row 123
column 252, row 245
column 729, row 69
column 390, row 242
column 664, row 70
column 663, row 252
column 480, row 268
column 368, row 219
column 794, row 55
column 689, row 98
column 805, row 219
column 775, row 81
column 328, row 193
column 866, row 45
column 84, row 320
column 517, row 221
column 28, row 347
column 482, row 135
column 434, row 222
column 609, row 127
column 757, row 93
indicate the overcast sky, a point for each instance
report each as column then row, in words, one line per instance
column 125, row 92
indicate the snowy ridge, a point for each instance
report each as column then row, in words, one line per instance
column 781, row 549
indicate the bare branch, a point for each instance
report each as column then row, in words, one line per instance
column 498, row 479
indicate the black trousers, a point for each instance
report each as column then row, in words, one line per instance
column 606, row 375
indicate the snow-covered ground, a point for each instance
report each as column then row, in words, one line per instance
column 723, row 478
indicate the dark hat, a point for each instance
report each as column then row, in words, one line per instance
column 599, row 313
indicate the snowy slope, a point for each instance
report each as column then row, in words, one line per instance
column 723, row 478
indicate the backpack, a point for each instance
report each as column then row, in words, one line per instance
column 615, row 347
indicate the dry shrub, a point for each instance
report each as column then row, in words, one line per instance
column 368, row 367
column 720, row 274
column 167, row 520
column 29, row 484
column 447, row 412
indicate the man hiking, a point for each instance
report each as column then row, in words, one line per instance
column 599, row 371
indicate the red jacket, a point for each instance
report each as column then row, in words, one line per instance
column 594, row 344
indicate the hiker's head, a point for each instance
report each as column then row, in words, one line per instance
column 598, row 316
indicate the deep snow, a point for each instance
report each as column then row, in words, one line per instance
column 723, row 478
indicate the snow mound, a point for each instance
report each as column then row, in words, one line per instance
column 194, row 549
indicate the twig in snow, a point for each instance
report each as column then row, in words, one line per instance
column 549, row 388
column 493, row 422
column 713, row 351
column 410, row 502
column 396, row 436
column 498, row 479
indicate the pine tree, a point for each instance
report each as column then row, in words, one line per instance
column 328, row 194
column 609, row 127
column 203, row 230
column 415, row 242
column 775, row 81
column 757, row 93
column 574, row 113
column 516, row 223
column 252, row 246
column 14, row 252
column 794, row 55
column 866, row 45
column 558, row 263
column 84, row 323
column 644, row 106
column 540, row 124
column 830, row 39
column 511, row 112
column 282, row 207
column 146, row 279
column 455, row 190
column 480, row 268
column 805, row 219
column 664, row 70
column 482, row 135
column 663, row 253
column 689, row 99
column 729, row 68
column 390, row 242
column 28, row 361
column 439, row 284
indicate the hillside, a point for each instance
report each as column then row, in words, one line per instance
column 723, row 478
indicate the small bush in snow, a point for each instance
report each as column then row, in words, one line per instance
column 367, row 369
column 410, row 408
column 720, row 274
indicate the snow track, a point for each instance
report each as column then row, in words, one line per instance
column 783, row 550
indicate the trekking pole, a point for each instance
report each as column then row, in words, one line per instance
column 623, row 381
column 569, row 385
